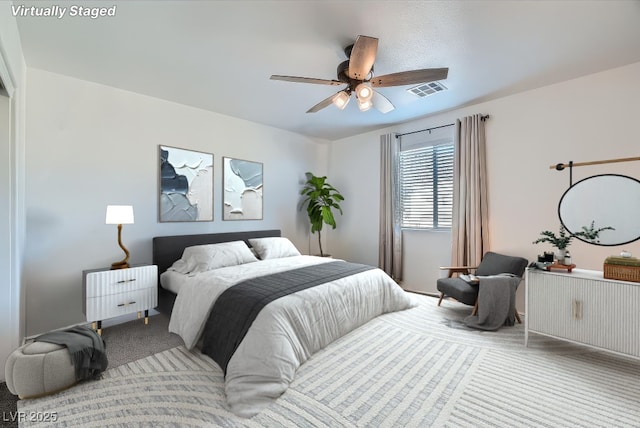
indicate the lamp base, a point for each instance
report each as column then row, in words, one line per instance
column 124, row 263
column 119, row 265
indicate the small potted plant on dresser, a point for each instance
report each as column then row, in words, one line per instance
column 320, row 200
column 561, row 241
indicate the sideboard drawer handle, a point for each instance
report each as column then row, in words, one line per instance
column 577, row 310
column 126, row 304
column 125, row 280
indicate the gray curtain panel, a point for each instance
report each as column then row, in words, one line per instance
column 390, row 248
column 470, row 229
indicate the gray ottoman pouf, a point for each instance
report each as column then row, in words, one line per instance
column 39, row 368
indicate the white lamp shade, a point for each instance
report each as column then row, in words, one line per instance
column 119, row 214
column 364, row 92
column 364, row 105
column 341, row 99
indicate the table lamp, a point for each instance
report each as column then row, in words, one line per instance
column 120, row 214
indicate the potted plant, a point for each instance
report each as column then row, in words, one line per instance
column 560, row 241
column 320, row 199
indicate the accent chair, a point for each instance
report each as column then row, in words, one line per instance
column 491, row 264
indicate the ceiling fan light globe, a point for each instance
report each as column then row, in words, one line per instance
column 341, row 99
column 364, row 92
column 364, row 105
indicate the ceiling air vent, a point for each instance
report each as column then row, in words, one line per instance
column 426, row 89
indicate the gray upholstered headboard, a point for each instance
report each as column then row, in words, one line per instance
column 168, row 249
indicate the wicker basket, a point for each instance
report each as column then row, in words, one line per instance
column 621, row 272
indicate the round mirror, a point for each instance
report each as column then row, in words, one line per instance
column 602, row 210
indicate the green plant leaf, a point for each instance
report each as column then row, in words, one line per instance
column 327, row 216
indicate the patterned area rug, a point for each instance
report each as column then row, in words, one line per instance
column 415, row 368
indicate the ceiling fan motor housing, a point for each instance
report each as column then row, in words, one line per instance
column 344, row 77
column 342, row 72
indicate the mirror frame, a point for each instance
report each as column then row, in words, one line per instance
column 572, row 232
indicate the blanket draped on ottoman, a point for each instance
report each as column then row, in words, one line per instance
column 86, row 349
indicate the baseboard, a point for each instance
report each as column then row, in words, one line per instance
column 424, row 293
column 105, row 323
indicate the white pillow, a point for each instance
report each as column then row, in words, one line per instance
column 202, row 258
column 273, row 248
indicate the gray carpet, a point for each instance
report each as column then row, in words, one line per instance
column 125, row 342
column 8, row 406
column 133, row 340
column 414, row 368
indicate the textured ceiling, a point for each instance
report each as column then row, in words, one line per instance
column 218, row 55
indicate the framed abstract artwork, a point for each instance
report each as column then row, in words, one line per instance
column 186, row 185
column 242, row 184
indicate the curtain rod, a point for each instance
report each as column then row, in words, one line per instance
column 424, row 130
column 482, row 118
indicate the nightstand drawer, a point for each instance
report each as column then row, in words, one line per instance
column 113, row 305
column 108, row 282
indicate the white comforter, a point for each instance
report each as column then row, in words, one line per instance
column 288, row 330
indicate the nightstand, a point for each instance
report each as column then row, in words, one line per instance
column 111, row 293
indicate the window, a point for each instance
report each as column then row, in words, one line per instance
column 426, row 186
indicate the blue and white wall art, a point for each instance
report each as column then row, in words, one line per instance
column 242, row 182
column 186, row 185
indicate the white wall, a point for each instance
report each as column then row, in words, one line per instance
column 12, row 73
column 585, row 119
column 91, row 145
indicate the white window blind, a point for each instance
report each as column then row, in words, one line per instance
column 426, row 184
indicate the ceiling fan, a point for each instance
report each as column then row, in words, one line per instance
column 357, row 74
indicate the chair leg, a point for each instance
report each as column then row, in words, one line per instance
column 475, row 308
column 518, row 317
column 441, row 297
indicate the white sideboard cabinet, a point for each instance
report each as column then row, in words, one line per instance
column 583, row 307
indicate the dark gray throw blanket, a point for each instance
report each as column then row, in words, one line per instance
column 86, row 348
column 238, row 306
column 496, row 302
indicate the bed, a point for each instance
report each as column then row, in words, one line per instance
column 168, row 249
column 323, row 299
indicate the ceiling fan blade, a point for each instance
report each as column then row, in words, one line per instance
column 381, row 103
column 307, row 80
column 322, row 104
column 363, row 55
column 410, row 77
